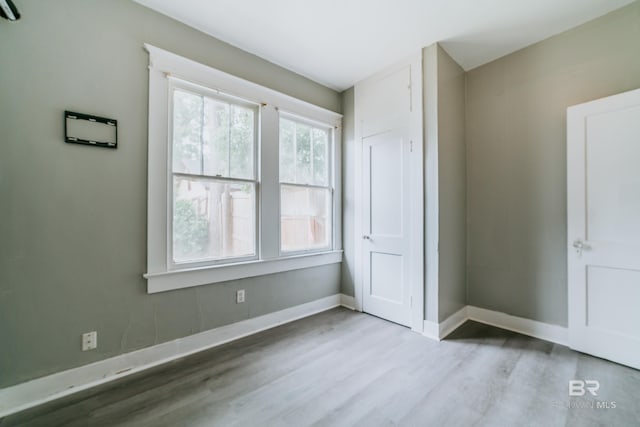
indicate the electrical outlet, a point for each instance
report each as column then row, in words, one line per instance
column 240, row 296
column 89, row 341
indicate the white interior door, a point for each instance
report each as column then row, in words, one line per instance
column 603, row 191
column 386, row 196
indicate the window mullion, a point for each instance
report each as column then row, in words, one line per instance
column 269, row 188
column 201, row 134
column 312, row 177
column 295, row 152
column 229, row 124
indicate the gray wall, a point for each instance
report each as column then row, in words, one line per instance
column 452, row 186
column 431, row 186
column 348, row 190
column 73, row 218
column 516, row 173
column 445, row 184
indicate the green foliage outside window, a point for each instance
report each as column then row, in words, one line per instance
column 190, row 230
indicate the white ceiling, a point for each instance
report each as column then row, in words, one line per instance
column 339, row 42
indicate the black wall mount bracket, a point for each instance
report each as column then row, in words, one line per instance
column 82, row 138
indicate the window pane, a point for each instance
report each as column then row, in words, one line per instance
column 303, row 154
column 287, row 152
column 216, row 137
column 212, row 219
column 305, row 221
column 212, row 137
column 241, row 144
column 320, row 156
column 187, row 114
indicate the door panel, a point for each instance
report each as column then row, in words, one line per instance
column 613, row 287
column 385, row 176
column 386, row 271
column 613, row 199
column 603, row 207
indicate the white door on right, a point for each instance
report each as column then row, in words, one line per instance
column 603, row 211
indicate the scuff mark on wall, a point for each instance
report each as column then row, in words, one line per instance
column 199, row 307
column 123, row 340
column 155, row 324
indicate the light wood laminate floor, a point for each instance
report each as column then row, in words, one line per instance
column 342, row 368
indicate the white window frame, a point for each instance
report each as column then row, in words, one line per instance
column 330, row 184
column 161, row 274
column 203, row 91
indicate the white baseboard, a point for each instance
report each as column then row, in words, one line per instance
column 348, row 301
column 453, row 322
column 35, row 392
column 532, row 328
column 431, row 330
column 439, row 331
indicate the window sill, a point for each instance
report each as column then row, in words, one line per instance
column 178, row 279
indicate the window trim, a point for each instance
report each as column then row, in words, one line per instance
column 164, row 65
column 186, row 278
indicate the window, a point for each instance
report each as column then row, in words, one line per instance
column 213, row 177
column 243, row 180
column 305, row 194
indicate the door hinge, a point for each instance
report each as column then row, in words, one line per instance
column 410, row 301
column 411, row 146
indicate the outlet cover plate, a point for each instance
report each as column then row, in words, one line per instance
column 89, row 341
column 240, row 296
